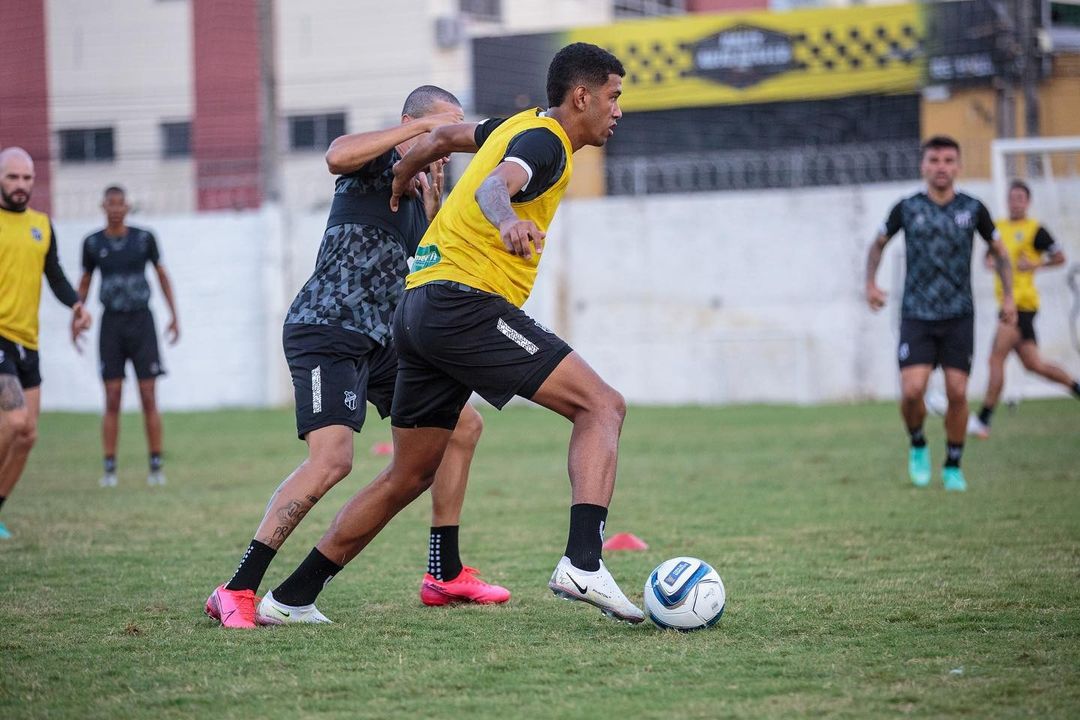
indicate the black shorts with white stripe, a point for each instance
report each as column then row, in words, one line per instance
column 335, row 373
column 453, row 340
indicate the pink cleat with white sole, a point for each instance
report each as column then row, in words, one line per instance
column 232, row 608
column 465, row 588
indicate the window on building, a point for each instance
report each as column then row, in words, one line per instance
column 176, row 139
column 87, row 145
column 640, row 8
column 484, row 10
column 315, row 132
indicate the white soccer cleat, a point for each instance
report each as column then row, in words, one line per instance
column 977, row 427
column 271, row 612
column 597, row 588
column 108, row 480
column 156, row 477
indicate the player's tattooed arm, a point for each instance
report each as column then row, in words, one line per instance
column 875, row 296
column 519, row 237
column 11, row 394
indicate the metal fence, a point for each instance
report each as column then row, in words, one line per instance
column 755, row 170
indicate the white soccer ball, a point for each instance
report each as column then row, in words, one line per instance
column 685, row 594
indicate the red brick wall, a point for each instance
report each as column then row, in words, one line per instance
column 226, row 129
column 24, row 89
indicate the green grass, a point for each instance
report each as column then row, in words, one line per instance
column 850, row 593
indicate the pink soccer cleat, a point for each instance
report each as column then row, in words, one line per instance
column 232, row 608
column 466, row 587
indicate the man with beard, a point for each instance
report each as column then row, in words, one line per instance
column 27, row 249
column 937, row 325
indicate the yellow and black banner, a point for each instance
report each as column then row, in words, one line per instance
column 715, row 59
column 764, row 56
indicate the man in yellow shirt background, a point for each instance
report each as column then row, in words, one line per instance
column 27, row 250
column 1030, row 248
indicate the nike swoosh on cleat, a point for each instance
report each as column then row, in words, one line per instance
column 284, row 613
column 226, row 616
column 581, row 589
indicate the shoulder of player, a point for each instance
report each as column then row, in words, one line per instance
column 960, row 195
column 141, row 233
column 37, row 216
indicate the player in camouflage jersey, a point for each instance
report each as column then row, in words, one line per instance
column 937, row 311
column 339, row 350
column 121, row 252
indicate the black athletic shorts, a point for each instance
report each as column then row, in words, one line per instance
column 335, row 373
column 453, row 340
column 949, row 343
column 1025, row 321
column 129, row 336
column 22, row 362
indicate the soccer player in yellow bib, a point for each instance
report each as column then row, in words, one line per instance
column 1030, row 248
column 27, row 250
column 460, row 327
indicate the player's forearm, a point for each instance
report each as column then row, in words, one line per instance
column 59, row 284
column 1004, row 271
column 439, row 143
column 1054, row 259
column 84, row 287
column 167, row 291
column 493, row 197
column 873, row 260
column 349, row 153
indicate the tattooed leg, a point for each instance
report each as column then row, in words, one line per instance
column 329, row 460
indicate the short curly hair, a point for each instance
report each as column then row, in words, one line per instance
column 576, row 64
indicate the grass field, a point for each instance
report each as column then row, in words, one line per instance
column 850, row 593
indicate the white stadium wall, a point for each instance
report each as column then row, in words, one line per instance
column 704, row 298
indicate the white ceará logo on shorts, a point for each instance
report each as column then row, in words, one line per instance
column 904, row 351
column 350, row 399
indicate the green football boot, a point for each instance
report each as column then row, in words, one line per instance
column 918, row 466
column 954, row 479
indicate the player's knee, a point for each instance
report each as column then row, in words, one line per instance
column 956, row 395
column 469, row 428
column 612, row 405
column 1032, row 364
column 26, row 436
column 334, row 465
column 912, row 393
column 17, row 424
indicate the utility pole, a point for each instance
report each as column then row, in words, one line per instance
column 270, row 155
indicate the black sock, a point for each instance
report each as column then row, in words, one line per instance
column 1076, row 388
column 155, row 462
column 584, row 544
column 918, row 439
column 953, row 453
column 307, row 580
column 2, row 499
column 252, row 567
column 110, row 464
column 985, row 414
column 444, row 560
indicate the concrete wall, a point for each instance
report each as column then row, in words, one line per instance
column 726, row 298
